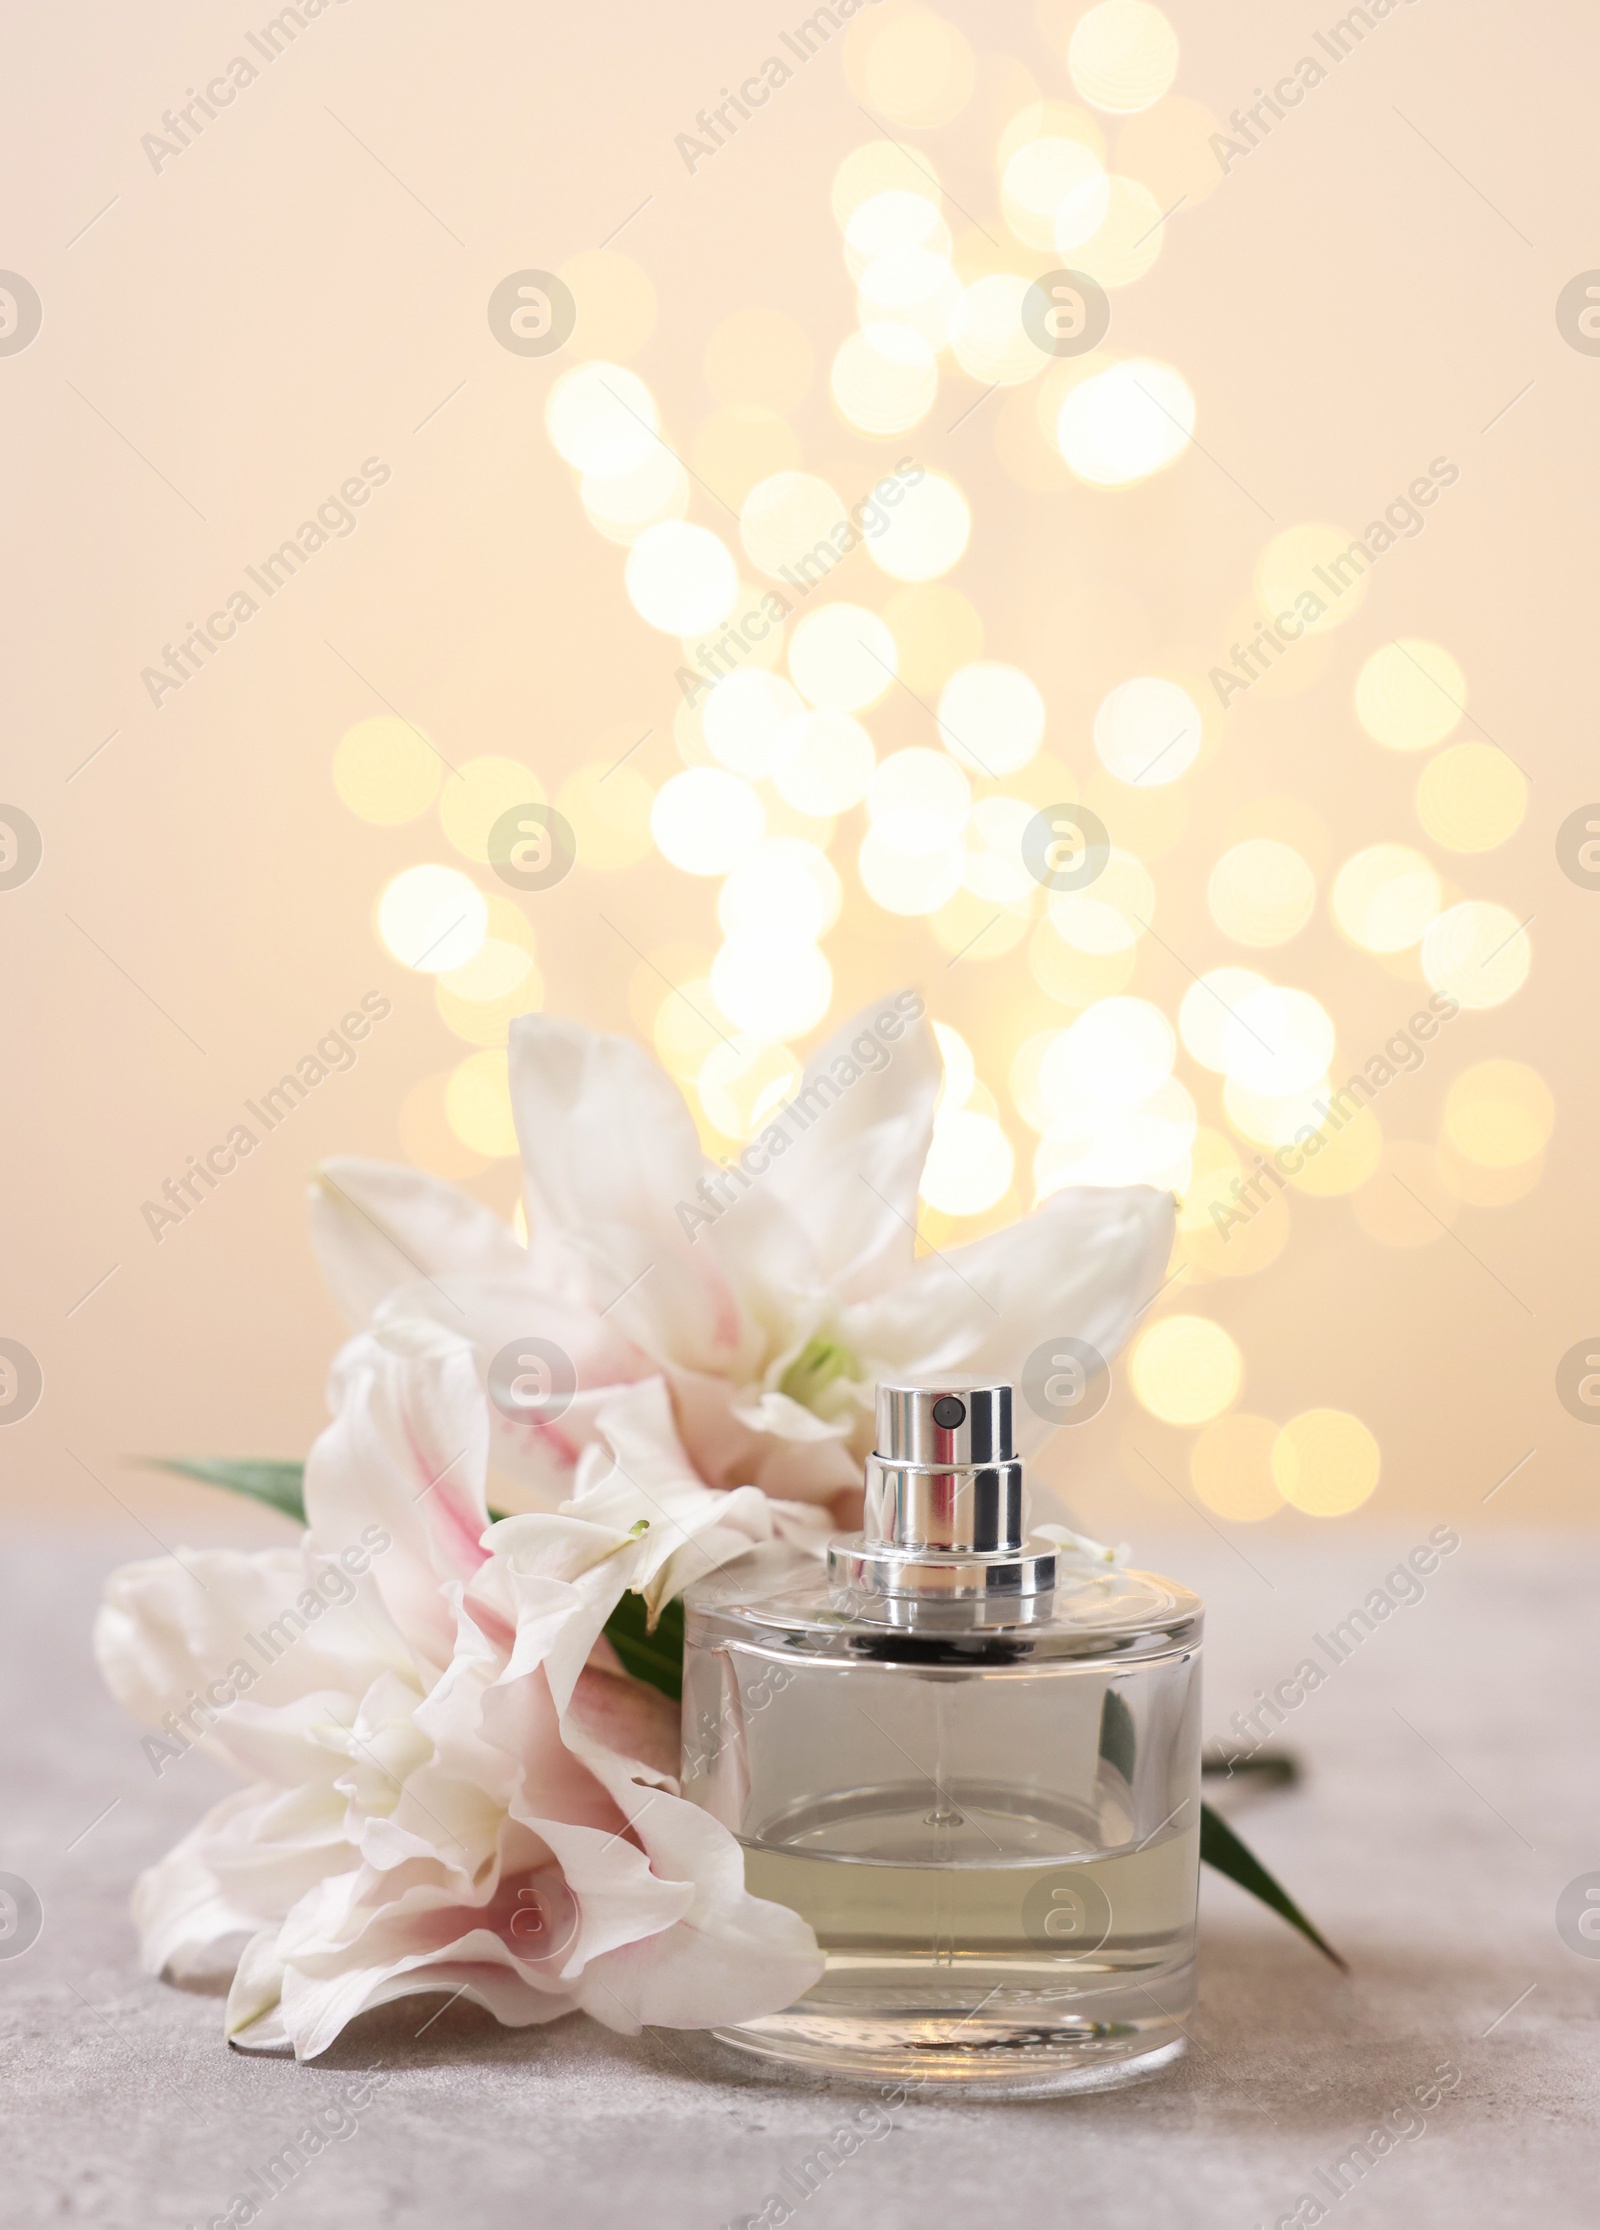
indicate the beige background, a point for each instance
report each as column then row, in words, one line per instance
column 275, row 306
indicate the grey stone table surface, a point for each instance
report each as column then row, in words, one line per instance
column 1449, row 1799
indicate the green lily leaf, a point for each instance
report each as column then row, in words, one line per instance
column 262, row 1478
column 653, row 1656
column 1221, row 1848
column 656, row 1655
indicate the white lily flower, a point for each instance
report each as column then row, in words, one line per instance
column 772, row 1296
column 452, row 1787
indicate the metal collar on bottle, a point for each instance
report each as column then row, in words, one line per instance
column 944, row 1541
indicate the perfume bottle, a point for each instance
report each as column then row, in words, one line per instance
column 971, row 1760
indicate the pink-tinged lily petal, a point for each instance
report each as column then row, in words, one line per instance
column 400, row 1472
column 558, row 1348
column 241, row 1869
column 1086, row 1266
column 611, row 1156
column 242, row 1653
column 640, row 1480
column 861, row 1121
column 377, row 1228
column 730, row 1950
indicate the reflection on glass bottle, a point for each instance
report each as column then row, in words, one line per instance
column 970, row 1762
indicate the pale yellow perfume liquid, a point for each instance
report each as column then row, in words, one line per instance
column 1013, row 1956
column 1031, row 1918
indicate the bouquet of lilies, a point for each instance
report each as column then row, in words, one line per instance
column 451, row 1699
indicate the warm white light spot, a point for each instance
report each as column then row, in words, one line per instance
column 1471, row 797
column 386, row 771
column 495, row 970
column 794, row 521
column 991, row 717
column 477, row 1105
column 475, row 797
column 988, row 335
column 824, row 764
column 681, row 578
column 1148, row 732
column 745, row 719
column 1278, row 1040
column 1325, row 1462
column 1049, row 183
column 1231, row 1467
column 1126, row 422
column 909, row 882
column 771, row 983
column 1410, row 695
column 1276, row 1118
column 911, row 66
column 1261, row 892
column 1127, row 239
column 1478, row 953
column 918, row 801
column 785, row 885
column 433, row 919
column 1499, row 1114
column 969, row 1163
column 1207, row 1009
column 1385, row 897
column 842, row 657
column 893, row 222
column 1316, row 574
column 925, row 533
column 996, row 869
column 705, row 819
column 1112, row 913
column 885, row 378
column 1150, row 1144
column 603, row 419
column 1123, row 56
column 1117, row 1053
column 882, row 166
column 1185, row 1370
column 622, row 505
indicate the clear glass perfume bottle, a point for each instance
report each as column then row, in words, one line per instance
column 971, row 1761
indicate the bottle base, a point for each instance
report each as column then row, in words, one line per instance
column 963, row 2058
